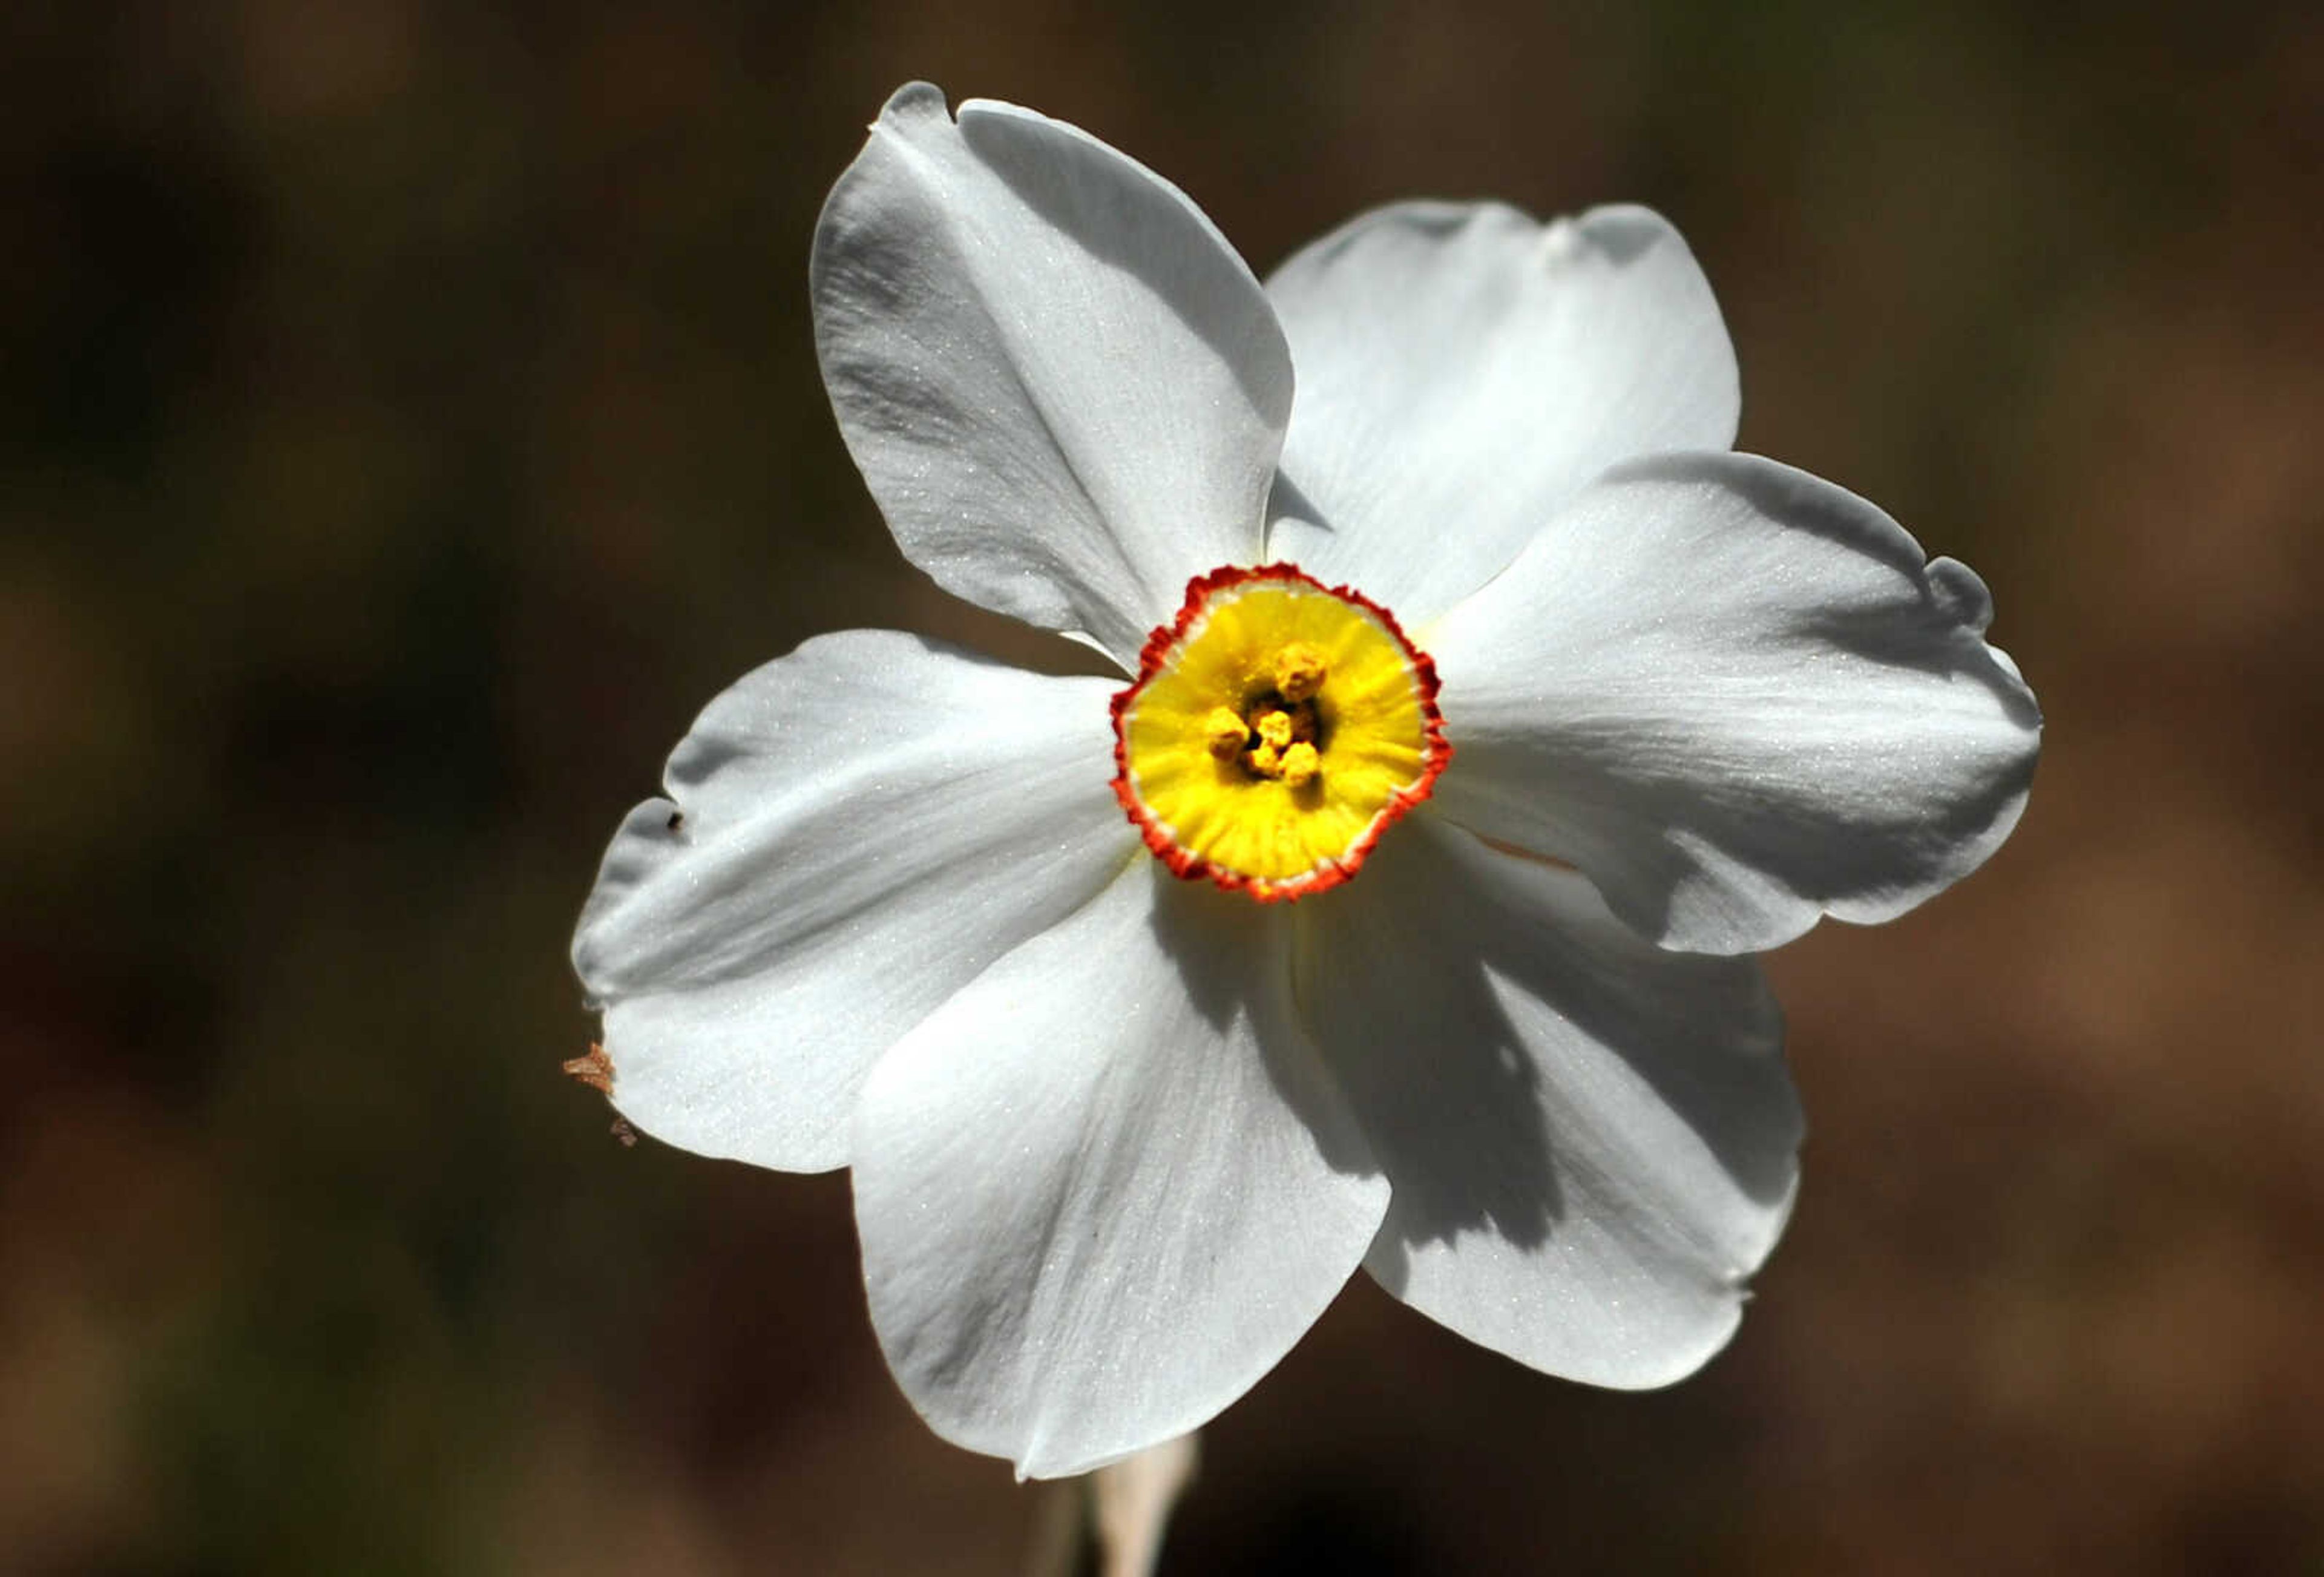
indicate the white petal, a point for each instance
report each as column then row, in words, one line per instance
column 859, row 829
column 1065, row 389
column 1737, row 698
column 1593, row 1141
column 1462, row 370
column 1108, row 1186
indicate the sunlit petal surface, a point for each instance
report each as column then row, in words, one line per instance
column 1108, row 1184
column 1738, row 697
column 1592, row 1140
column 1065, row 388
column 1145, row 1013
column 1463, row 370
column 852, row 834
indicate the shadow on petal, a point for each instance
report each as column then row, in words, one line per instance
column 1436, row 1071
column 1766, row 706
column 1214, row 936
column 1487, row 1014
column 1286, row 499
column 1940, row 634
column 1129, row 218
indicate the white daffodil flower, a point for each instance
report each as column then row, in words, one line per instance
column 1550, row 709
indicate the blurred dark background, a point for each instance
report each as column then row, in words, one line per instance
column 409, row 418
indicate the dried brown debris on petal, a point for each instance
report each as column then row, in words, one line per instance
column 595, row 1070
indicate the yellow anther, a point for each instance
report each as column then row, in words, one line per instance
column 1225, row 732
column 1240, row 761
column 1299, row 672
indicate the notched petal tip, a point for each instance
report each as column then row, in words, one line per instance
column 1962, row 594
column 1621, row 232
column 850, row 833
column 915, row 99
column 1828, row 732
column 632, row 857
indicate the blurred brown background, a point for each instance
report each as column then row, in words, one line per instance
column 410, row 419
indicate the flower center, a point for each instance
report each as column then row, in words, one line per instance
column 1275, row 730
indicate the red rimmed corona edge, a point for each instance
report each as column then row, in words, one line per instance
column 1185, row 863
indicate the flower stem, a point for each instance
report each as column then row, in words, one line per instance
column 1126, row 1505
